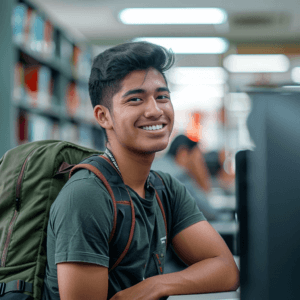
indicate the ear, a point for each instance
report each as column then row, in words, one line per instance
column 103, row 117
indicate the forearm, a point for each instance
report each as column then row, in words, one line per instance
column 207, row 276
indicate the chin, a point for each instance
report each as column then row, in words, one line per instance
column 157, row 148
column 153, row 148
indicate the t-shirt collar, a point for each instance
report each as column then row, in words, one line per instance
column 109, row 154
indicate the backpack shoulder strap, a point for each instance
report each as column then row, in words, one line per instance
column 124, row 216
column 161, row 193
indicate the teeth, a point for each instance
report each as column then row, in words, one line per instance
column 154, row 127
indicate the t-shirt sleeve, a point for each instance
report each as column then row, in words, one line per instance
column 184, row 210
column 81, row 220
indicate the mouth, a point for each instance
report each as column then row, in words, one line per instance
column 153, row 127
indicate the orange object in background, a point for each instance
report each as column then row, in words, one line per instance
column 194, row 128
column 31, row 83
column 72, row 99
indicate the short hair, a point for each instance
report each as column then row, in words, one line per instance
column 112, row 65
column 181, row 141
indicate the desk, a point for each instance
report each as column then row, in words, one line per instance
column 212, row 296
column 219, row 200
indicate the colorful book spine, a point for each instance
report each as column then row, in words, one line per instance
column 22, row 127
column 18, row 89
column 44, row 88
column 18, row 22
column 72, row 99
column 66, row 52
column 69, row 132
column 49, row 46
column 36, row 32
column 31, row 85
column 39, row 128
column 85, row 136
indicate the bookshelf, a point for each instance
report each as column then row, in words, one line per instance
column 48, row 95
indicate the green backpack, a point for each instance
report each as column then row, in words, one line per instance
column 31, row 176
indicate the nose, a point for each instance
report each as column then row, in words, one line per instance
column 152, row 109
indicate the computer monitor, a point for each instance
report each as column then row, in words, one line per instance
column 268, row 197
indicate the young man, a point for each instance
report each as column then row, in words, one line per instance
column 132, row 103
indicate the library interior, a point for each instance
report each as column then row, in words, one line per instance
column 235, row 90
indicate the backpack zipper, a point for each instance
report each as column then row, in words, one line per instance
column 10, row 227
column 18, row 200
column 20, row 179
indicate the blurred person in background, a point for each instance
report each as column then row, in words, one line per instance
column 185, row 162
column 220, row 170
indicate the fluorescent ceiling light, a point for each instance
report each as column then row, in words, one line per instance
column 190, row 45
column 195, row 75
column 256, row 63
column 295, row 74
column 173, row 16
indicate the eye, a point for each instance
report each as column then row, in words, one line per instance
column 164, row 97
column 135, row 99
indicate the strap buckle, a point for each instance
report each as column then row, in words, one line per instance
column 21, row 286
column 2, row 288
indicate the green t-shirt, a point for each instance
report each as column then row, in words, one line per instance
column 81, row 220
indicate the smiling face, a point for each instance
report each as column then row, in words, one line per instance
column 142, row 114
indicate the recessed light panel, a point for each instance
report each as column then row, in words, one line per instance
column 138, row 16
column 190, row 45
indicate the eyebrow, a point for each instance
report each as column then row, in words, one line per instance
column 142, row 91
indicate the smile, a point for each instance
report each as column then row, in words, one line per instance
column 152, row 128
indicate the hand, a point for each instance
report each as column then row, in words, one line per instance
column 149, row 289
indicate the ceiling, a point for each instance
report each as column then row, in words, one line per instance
column 96, row 21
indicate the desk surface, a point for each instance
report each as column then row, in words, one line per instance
column 212, row 296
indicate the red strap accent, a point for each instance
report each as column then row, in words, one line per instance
column 130, row 235
column 103, row 179
column 124, row 202
column 163, row 213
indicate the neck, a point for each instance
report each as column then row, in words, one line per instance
column 134, row 167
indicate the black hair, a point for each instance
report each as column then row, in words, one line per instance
column 181, row 141
column 212, row 162
column 112, row 65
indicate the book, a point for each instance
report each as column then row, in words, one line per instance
column 85, row 110
column 22, row 127
column 39, row 128
column 69, row 132
column 45, row 84
column 18, row 88
column 82, row 62
column 49, row 45
column 18, row 22
column 31, row 84
column 85, row 136
column 27, row 26
column 38, row 86
column 66, row 52
column 72, row 99
column 36, row 33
